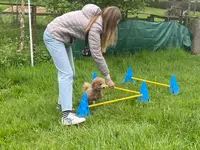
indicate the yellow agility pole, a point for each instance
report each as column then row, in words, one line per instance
column 126, row 90
column 116, row 100
column 152, row 82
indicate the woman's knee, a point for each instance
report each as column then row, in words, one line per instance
column 66, row 76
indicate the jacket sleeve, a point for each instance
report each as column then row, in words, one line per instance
column 95, row 49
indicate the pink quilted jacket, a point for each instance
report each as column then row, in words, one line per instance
column 70, row 27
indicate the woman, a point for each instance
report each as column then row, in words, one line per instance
column 60, row 34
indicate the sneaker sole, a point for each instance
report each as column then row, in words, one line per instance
column 67, row 124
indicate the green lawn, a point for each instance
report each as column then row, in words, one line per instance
column 156, row 11
column 3, row 7
column 29, row 119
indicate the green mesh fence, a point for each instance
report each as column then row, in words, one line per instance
column 142, row 35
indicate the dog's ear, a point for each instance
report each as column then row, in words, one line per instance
column 94, row 85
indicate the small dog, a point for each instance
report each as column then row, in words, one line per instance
column 94, row 89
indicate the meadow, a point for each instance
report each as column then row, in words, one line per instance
column 29, row 119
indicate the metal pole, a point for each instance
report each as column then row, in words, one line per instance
column 30, row 31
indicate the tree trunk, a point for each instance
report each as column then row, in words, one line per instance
column 22, row 27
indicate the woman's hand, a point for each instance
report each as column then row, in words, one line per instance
column 110, row 83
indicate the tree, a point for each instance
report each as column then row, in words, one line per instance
column 61, row 6
column 124, row 5
column 58, row 7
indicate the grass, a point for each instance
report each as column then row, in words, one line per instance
column 2, row 7
column 150, row 10
column 29, row 119
column 157, row 11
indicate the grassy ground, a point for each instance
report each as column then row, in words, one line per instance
column 157, row 11
column 29, row 119
column 2, row 7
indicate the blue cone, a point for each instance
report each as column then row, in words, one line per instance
column 83, row 109
column 174, row 88
column 144, row 92
column 129, row 75
column 94, row 76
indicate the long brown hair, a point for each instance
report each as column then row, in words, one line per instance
column 110, row 16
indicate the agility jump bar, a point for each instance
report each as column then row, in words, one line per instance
column 120, row 99
column 116, row 100
column 151, row 82
column 126, row 90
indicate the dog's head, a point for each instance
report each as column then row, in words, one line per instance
column 98, row 83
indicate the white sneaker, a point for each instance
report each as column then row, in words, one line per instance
column 72, row 119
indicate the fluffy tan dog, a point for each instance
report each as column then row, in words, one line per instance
column 94, row 89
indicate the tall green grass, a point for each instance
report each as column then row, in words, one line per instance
column 29, row 119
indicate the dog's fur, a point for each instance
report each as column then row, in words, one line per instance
column 94, row 89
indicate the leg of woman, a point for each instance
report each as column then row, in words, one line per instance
column 59, row 55
column 70, row 56
column 71, row 60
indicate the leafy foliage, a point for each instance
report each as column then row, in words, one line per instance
column 58, row 7
column 61, row 6
column 124, row 5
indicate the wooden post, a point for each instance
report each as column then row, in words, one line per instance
column 34, row 14
column 17, row 14
column 181, row 20
column 12, row 10
column 188, row 16
column 195, row 7
column 22, row 28
column 151, row 17
column 196, row 37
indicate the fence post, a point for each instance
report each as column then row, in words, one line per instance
column 196, row 37
column 151, row 18
column 33, row 16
